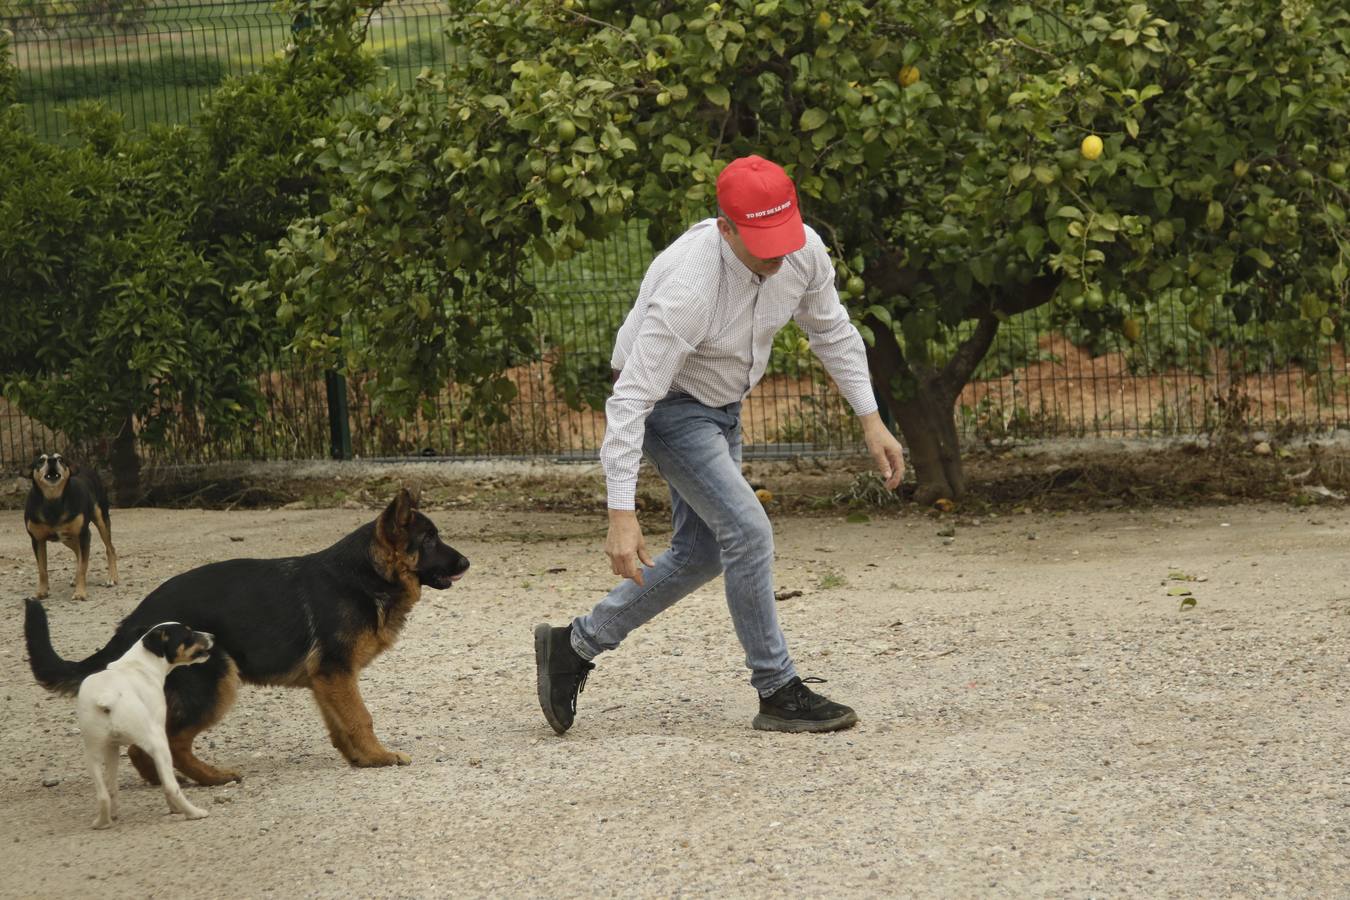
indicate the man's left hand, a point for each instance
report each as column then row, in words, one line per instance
column 885, row 449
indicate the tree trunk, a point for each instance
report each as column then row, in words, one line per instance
column 126, row 465
column 922, row 399
column 927, row 422
column 921, row 402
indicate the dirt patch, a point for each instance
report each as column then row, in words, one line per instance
column 1040, row 716
column 1080, row 475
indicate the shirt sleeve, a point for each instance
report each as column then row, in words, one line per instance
column 676, row 321
column 832, row 335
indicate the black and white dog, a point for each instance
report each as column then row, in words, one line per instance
column 124, row 704
column 62, row 503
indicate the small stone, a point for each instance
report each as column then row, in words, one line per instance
column 51, row 781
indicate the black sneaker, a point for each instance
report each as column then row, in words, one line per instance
column 795, row 707
column 561, row 674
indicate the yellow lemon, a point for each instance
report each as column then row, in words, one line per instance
column 1092, row 147
column 942, row 504
column 765, row 495
column 1132, row 330
column 908, row 75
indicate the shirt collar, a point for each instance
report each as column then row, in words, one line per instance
column 734, row 268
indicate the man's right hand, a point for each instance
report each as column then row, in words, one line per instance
column 625, row 547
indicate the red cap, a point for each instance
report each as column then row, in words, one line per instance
column 761, row 201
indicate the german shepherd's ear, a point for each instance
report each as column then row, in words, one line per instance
column 397, row 516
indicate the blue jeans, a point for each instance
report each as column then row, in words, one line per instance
column 720, row 525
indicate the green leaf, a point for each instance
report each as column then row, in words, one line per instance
column 1214, row 216
column 1262, row 257
column 812, row 118
column 718, row 95
column 1032, row 238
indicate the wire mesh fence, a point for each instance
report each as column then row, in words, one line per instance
column 155, row 63
column 1177, row 369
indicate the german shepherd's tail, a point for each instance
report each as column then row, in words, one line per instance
column 53, row 672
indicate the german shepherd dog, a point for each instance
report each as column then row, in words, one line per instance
column 62, row 503
column 306, row 621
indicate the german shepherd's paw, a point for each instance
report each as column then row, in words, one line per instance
column 378, row 760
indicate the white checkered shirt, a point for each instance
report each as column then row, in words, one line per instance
column 704, row 324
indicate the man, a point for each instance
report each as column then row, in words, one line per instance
column 693, row 346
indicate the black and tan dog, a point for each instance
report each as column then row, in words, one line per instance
column 62, row 503
column 306, row 621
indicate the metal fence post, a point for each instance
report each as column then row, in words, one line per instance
column 339, row 428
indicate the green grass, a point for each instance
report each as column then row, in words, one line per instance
column 160, row 71
column 587, row 297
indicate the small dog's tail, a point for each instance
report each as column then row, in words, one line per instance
column 51, row 671
column 100, row 492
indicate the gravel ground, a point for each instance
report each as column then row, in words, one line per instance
column 1040, row 717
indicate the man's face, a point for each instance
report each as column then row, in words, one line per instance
column 760, row 266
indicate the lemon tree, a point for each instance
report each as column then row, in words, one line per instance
column 942, row 149
column 119, row 253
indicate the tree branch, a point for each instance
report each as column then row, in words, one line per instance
column 959, row 369
column 1036, row 293
column 956, row 373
